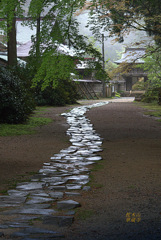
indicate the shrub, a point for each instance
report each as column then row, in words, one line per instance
column 16, row 99
column 151, row 95
column 64, row 93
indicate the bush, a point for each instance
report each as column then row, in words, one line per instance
column 64, row 93
column 16, row 99
column 151, row 95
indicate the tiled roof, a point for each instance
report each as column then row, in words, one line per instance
column 132, row 55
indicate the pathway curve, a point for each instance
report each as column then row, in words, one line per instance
column 67, row 172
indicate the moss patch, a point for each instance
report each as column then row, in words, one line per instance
column 84, row 214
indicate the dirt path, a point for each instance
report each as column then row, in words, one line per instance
column 124, row 202
column 21, row 156
column 124, row 199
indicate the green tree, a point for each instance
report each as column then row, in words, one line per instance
column 119, row 17
column 10, row 9
column 58, row 26
column 153, row 66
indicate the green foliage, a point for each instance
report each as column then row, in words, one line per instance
column 153, row 109
column 140, row 85
column 153, row 66
column 117, row 95
column 8, row 11
column 151, row 95
column 16, row 100
column 64, row 93
column 119, row 17
column 52, row 82
column 54, row 67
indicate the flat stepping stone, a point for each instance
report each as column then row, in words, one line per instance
column 17, row 193
column 57, row 188
column 33, row 231
column 72, row 194
column 3, row 226
column 61, row 221
column 86, row 188
column 78, row 177
column 37, row 211
column 95, row 158
column 78, row 144
column 67, row 204
column 35, row 200
column 40, row 194
column 1, row 234
column 73, row 186
column 96, row 149
column 56, row 195
column 25, row 218
column 18, row 225
column 9, row 201
column 30, row 186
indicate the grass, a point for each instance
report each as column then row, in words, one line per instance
column 26, row 128
column 83, row 214
column 92, row 182
column 153, row 109
column 12, row 183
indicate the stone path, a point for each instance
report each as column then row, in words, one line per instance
column 43, row 197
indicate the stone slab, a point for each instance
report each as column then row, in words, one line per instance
column 60, row 221
column 67, row 204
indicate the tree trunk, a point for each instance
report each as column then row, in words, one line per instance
column 38, row 37
column 11, row 44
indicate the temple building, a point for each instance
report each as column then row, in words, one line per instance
column 129, row 71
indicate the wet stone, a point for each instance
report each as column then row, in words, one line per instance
column 86, row 188
column 35, row 208
column 18, row 225
column 72, row 194
column 80, row 164
column 47, row 171
column 47, row 164
column 57, row 188
column 78, row 144
column 3, row 226
column 61, row 221
column 25, row 218
column 37, row 211
column 9, row 201
column 70, row 212
column 34, row 230
column 73, row 187
column 17, row 193
column 78, row 177
column 1, row 234
column 40, row 194
column 18, row 234
column 67, row 204
column 35, row 200
column 96, row 149
column 30, row 186
column 95, row 158
column 52, row 179
column 81, row 182
column 56, row 195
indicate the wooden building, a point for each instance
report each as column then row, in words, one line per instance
column 129, row 71
column 88, row 87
